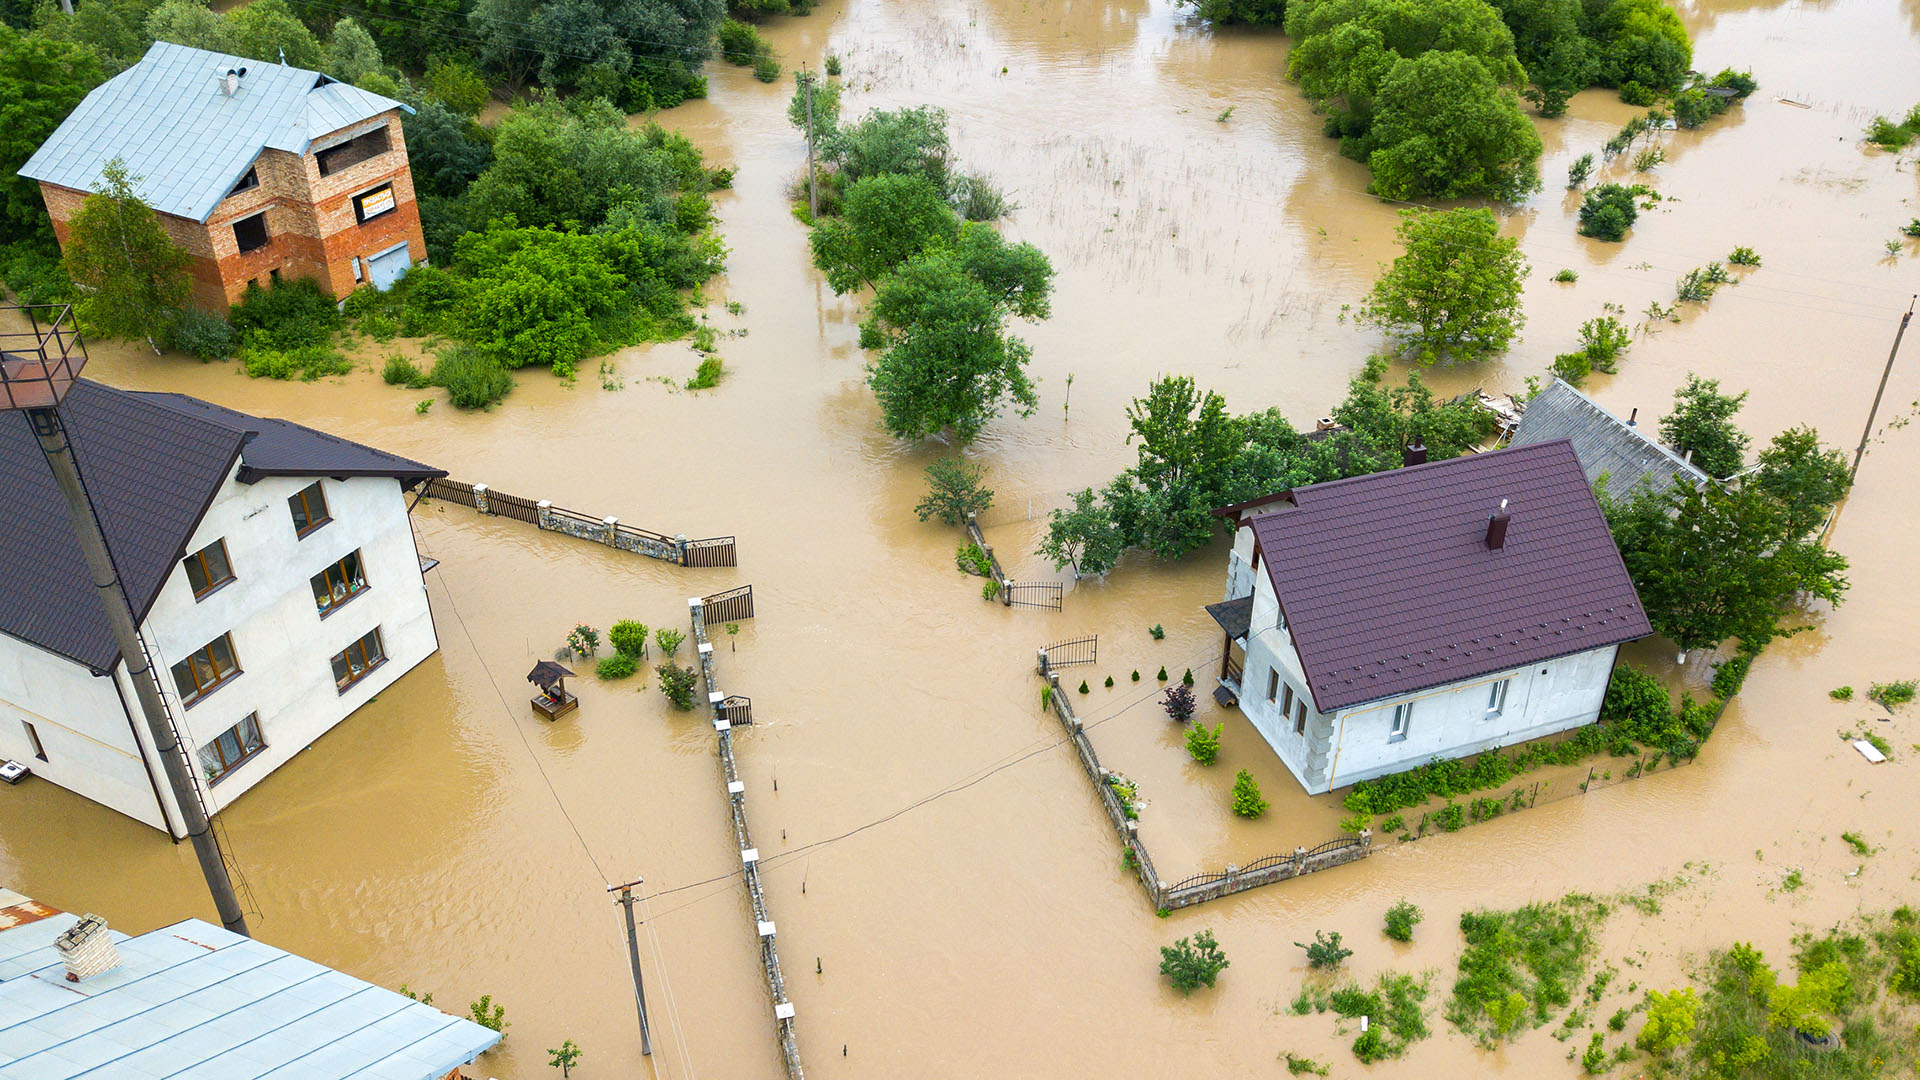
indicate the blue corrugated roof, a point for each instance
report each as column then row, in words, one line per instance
column 1605, row 444
column 188, row 142
column 194, row 1002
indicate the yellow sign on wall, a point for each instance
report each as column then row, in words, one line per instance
column 375, row 203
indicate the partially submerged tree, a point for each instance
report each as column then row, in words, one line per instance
column 1701, row 425
column 885, row 220
column 133, row 276
column 954, row 491
column 1443, row 128
column 1805, row 478
column 1454, row 292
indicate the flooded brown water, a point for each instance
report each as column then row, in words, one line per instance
column 928, row 841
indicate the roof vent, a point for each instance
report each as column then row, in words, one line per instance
column 1325, row 423
column 1633, row 417
column 1497, row 528
column 87, row 948
column 1414, row 453
column 230, row 80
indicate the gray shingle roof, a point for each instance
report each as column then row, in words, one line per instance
column 188, row 142
column 1388, row 587
column 1605, row 444
column 152, row 464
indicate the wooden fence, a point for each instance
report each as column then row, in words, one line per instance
column 713, row 551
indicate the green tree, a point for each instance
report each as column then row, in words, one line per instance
column 1809, row 1005
column 1187, row 442
column 1671, row 1019
column 1344, row 50
column 457, row 87
column 1203, row 742
column 134, row 275
column 1443, row 128
column 1805, row 478
column 1084, row 537
column 1191, row 963
column 1641, row 41
column 1608, row 212
column 191, row 23
column 115, row 30
column 1454, row 292
column 1244, row 12
column 443, row 151
column 351, row 55
column 826, row 105
column 886, row 220
column 269, row 31
column 912, row 141
column 1247, row 803
column 555, row 164
column 954, row 491
column 564, row 1058
column 40, row 83
column 1701, row 423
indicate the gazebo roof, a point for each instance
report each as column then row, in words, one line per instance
column 546, row 674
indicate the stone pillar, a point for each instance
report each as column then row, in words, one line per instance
column 1299, row 861
column 1366, row 839
column 680, row 548
column 480, row 499
column 610, row 523
column 543, row 514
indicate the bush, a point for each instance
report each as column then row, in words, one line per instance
column 1841, row 693
column 1567, row 276
column 668, row 640
column 765, row 67
column 200, row 334
column 1187, row 679
column 1450, row 818
column 1325, row 953
column 1692, row 107
column 1892, row 695
column 617, row 666
column 1247, row 802
column 1401, row 919
column 35, row 275
column 707, row 375
column 1179, row 703
column 1371, row 1046
column 1671, row 1019
column 1608, row 212
column 1521, row 965
column 1203, row 743
column 472, row 379
column 1744, row 256
column 402, row 371
column 628, row 638
column 308, row 362
column 975, row 198
column 289, row 315
column 1573, row 367
column 1730, row 676
column 741, row 44
column 1191, row 963
column 676, row 683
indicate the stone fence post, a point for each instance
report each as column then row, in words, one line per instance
column 543, row 514
column 610, row 524
column 680, row 549
column 1299, row 861
column 480, row 499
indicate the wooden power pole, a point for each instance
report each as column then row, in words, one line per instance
column 1867, row 432
column 813, row 186
column 633, row 956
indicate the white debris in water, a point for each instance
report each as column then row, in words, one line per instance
column 1867, row 751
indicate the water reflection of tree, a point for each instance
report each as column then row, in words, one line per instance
column 1064, row 29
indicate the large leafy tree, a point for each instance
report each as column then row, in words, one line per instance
column 352, row 56
column 134, row 276
column 562, row 39
column 1454, row 292
column 116, row 30
column 1701, row 424
column 885, row 220
column 912, row 141
column 1086, row 537
column 268, row 30
column 1640, row 41
column 40, row 83
column 191, row 23
column 1548, row 42
column 1443, row 129
column 1187, row 444
column 443, row 151
column 1345, row 49
column 556, row 163
column 1804, row 477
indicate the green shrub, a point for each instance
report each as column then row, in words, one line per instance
column 1451, row 817
column 765, row 67
column 669, row 641
column 1520, row 966
column 1744, row 256
column 198, row 333
column 1911, row 228
column 1187, row 679
column 1191, row 963
column 676, row 683
column 307, row 362
column 1401, row 919
column 1305, row 1066
column 1671, row 1020
column 628, row 638
column 1594, row 1061
column 1699, row 284
column 35, row 275
column 1163, row 673
column 1247, row 802
column 1730, row 676
column 740, row 44
column 1157, row 631
column 472, row 379
column 1371, row 1046
column 1573, row 367
column 617, row 666
column 378, row 327
column 400, row 370
column 1325, row 953
column 833, row 65
column 1892, row 695
column 1567, row 276
column 1136, row 674
column 1635, row 94
column 1203, row 743
column 289, row 315
column 1841, row 693
column 1084, row 688
column 1608, row 212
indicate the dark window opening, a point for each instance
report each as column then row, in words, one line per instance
column 1300, row 718
column 352, row 664
column 33, row 737
column 251, row 232
column 208, row 568
column 353, row 151
column 212, row 666
column 247, row 183
column 309, row 506
column 235, row 745
column 338, row 584
column 372, row 204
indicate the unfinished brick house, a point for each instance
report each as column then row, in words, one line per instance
column 260, row 171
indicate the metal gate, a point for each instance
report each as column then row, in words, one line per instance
column 737, row 710
column 733, row 605
column 1060, row 654
column 1036, row 594
column 713, row 551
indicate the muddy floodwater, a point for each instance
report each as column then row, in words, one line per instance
column 949, row 899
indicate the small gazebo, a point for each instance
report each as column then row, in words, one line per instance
column 552, row 701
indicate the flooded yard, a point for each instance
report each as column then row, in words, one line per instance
column 950, row 900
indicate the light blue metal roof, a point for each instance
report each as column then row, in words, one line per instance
column 188, row 142
column 194, row 1002
column 1605, row 444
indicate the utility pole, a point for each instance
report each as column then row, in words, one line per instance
column 36, row 384
column 1867, row 431
column 633, row 957
column 813, row 187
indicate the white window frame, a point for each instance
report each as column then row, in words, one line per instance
column 1402, row 721
column 1497, row 698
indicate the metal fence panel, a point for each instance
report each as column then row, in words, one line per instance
column 713, row 551
column 733, row 605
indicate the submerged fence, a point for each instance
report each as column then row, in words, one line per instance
column 713, row 551
column 723, row 709
column 1036, row 594
column 1199, row 888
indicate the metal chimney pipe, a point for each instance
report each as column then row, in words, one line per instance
column 1634, row 416
column 1497, row 527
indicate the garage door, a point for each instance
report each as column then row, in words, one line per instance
column 386, row 267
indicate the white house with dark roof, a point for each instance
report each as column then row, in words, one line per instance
column 1619, row 450
column 271, row 568
column 82, row 1001
column 1377, row 623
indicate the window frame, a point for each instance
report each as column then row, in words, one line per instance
column 220, row 679
column 360, row 216
column 1300, row 716
column 1273, row 685
column 266, row 235
column 33, row 737
column 246, row 753
column 313, row 524
column 1286, row 701
column 1401, row 723
column 331, row 599
column 1497, row 698
column 213, row 585
column 372, row 663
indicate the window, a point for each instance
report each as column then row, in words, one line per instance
column 1273, row 685
column 338, row 584
column 372, row 204
column 1402, row 715
column 1300, row 717
column 212, row 666
column 33, row 737
column 1497, row 698
column 1286, row 700
column 309, row 506
column 235, row 745
column 250, row 233
column 247, row 183
column 208, row 569
column 353, row 151
column 362, row 656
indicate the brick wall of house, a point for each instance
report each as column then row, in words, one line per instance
column 311, row 231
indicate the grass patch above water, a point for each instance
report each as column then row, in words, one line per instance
column 1520, row 966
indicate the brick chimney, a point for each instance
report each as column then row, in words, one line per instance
column 1414, row 453
column 87, row 948
column 1497, row 527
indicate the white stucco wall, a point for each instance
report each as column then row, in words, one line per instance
column 1353, row 744
column 283, row 646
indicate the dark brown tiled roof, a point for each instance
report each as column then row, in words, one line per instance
column 152, row 463
column 1388, row 587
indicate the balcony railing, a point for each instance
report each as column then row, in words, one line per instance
column 39, row 364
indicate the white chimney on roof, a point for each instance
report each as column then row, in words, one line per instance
column 230, row 80
column 87, row 948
